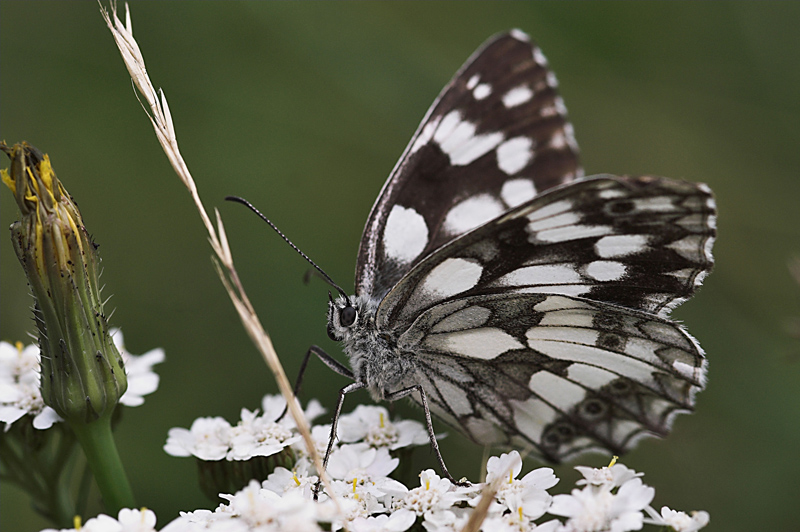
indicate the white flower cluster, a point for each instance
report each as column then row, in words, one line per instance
column 213, row 438
column 366, row 499
column 127, row 521
column 20, row 373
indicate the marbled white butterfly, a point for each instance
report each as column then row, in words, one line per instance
column 520, row 302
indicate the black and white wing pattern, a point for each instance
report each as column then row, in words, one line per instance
column 546, row 328
column 495, row 137
column 642, row 243
column 528, row 303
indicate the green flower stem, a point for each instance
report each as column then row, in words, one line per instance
column 60, row 507
column 97, row 441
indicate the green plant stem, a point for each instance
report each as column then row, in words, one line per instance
column 61, row 508
column 97, row 441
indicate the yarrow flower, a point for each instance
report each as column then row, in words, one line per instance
column 20, row 374
column 614, row 475
column 254, row 435
column 678, row 521
column 142, row 380
column 598, row 508
column 610, row 499
column 399, row 521
column 526, row 497
column 372, row 425
column 283, row 480
column 254, row 508
column 229, row 456
column 20, row 394
column 127, row 521
column 437, row 501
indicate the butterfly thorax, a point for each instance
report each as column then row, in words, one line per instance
column 373, row 354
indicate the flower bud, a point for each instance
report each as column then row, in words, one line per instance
column 82, row 372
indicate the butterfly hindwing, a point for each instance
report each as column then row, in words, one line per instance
column 556, row 374
column 641, row 242
column 496, row 136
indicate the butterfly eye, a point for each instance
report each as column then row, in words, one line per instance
column 348, row 316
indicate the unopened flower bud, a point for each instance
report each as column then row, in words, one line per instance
column 82, row 372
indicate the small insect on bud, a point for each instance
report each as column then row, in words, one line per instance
column 82, row 371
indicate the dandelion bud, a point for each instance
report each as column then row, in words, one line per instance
column 82, row 372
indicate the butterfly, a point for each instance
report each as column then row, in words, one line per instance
column 517, row 300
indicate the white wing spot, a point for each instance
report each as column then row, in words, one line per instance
column 688, row 246
column 405, row 234
column 613, row 246
column 452, row 277
column 654, row 204
column 539, row 57
column 543, row 223
column 517, row 191
column 565, row 289
column 562, row 109
column 458, row 140
column 520, row 35
column 557, row 141
column 546, row 274
column 690, row 372
column 473, row 81
column 514, row 154
column 569, row 132
column 549, row 210
column 485, row 343
column 455, row 397
column 578, row 345
column 559, row 392
column 482, row 91
column 561, row 303
column 531, row 416
column 606, row 270
column 574, row 232
column 548, row 110
column 590, row 376
column 425, row 135
column 483, row 431
column 517, row 96
column 555, row 108
column 447, row 126
column 622, row 429
column 472, row 212
column 611, row 193
column 569, row 317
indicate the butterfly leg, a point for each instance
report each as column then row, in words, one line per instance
column 326, row 359
column 334, row 422
column 394, row 396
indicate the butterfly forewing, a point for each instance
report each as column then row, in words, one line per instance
column 641, row 242
column 496, row 136
column 555, row 374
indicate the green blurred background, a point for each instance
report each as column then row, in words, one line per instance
column 304, row 108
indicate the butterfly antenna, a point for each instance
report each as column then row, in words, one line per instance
column 322, row 273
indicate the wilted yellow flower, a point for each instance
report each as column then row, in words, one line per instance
column 82, row 372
